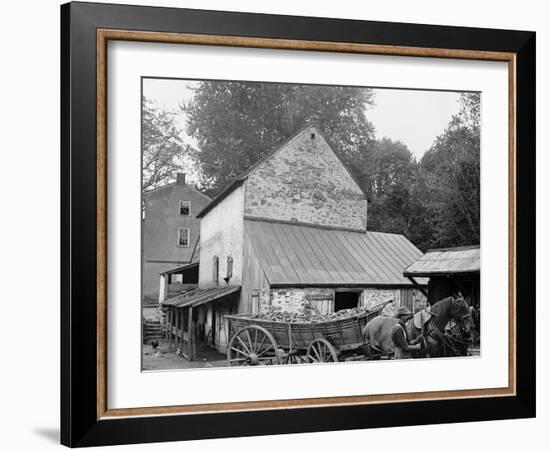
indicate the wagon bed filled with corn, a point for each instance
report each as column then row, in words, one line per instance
column 283, row 338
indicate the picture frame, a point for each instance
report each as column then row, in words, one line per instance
column 86, row 419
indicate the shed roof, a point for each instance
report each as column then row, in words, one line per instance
column 179, row 268
column 308, row 255
column 446, row 261
column 200, row 296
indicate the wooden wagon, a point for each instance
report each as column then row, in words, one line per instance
column 257, row 341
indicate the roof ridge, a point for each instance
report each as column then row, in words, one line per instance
column 303, row 224
column 173, row 184
column 454, row 249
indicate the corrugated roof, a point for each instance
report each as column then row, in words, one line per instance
column 179, row 268
column 308, row 255
column 446, row 261
column 200, row 296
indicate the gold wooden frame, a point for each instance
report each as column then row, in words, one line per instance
column 104, row 35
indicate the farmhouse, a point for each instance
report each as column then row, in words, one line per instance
column 290, row 234
column 170, row 233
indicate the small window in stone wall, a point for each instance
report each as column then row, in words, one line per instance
column 185, row 208
column 183, row 237
column 318, row 196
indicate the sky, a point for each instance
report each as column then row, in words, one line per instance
column 413, row 117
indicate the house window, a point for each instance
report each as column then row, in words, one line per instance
column 183, row 237
column 176, row 278
column 185, row 208
column 229, row 267
column 216, row 270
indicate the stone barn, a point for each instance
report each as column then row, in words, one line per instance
column 290, row 234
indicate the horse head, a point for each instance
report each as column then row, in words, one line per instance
column 461, row 313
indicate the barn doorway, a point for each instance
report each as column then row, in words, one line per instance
column 346, row 300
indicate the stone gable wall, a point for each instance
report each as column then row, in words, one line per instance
column 305, row 182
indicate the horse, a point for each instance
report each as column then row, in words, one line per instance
column 437, row 343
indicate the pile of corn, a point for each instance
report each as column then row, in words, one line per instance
column 286, row 317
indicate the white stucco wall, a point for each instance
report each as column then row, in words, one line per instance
column 221, row 235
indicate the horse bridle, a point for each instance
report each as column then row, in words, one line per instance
column 449, row 341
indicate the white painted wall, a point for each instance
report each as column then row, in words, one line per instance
column 222, row 234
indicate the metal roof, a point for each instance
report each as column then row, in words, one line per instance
column 200, row 296
column 446, row 261
column 310, row 255
column 178, row 269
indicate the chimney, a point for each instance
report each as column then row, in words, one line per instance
column 180, row 178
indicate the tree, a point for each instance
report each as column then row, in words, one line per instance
column 162, row 147
column 391, row 177
column 450, row 171
column 237, row 123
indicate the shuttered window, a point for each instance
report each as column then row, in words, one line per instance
column 216, row 270
column 183, row 237
column 185, row 208
column 229, row 267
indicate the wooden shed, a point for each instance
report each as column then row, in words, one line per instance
column 449, row 269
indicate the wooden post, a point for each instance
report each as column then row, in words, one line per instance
column 191, row 335
column 182, row 327
column 176, row 334
column 420, row 288
column 170, row 319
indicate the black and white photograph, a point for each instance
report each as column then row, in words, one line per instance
column 297, row 223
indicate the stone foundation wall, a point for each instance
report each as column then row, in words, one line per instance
column 372, row 296
column 321, row 300
column 297, row 300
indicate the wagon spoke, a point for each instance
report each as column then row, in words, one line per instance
column 239, row 351
column 316, row 352
column 243, row 344
column 254, row 342
column 265, row 350
column 262, row 343
column 249, row 340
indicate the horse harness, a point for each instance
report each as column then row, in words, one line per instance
column 449, row 341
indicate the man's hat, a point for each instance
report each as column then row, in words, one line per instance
column 403, row 311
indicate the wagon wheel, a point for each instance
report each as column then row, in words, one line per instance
column 295, row 357
column 321, row 350
column 252, row 346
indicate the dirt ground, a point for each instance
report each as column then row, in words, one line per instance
column 163, row 358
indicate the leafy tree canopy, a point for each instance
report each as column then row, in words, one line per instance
column 162, row 147
column 236, row 123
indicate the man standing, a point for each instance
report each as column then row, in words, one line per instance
column 399, row 338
